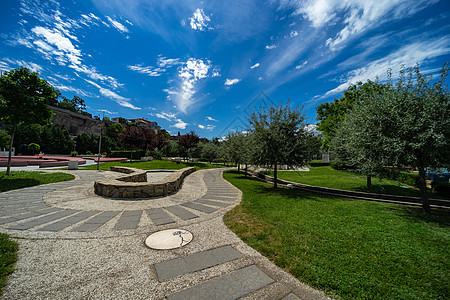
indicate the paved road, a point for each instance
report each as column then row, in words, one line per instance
column 75, row 244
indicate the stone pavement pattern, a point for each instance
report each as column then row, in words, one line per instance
column 79, row 245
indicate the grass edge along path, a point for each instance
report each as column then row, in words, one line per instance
column 350, row 249
column 8, row 258
column 150, row 165
column 22, row 179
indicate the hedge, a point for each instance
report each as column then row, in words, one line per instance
column 441, row 188
column 137, row 154
column 318, row 163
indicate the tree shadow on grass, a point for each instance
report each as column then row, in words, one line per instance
column 12, row 184
column 440, row 217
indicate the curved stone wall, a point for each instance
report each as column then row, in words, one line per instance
column 135, row 185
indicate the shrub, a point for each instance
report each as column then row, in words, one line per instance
column 339, row 165
column 318, row 163
column 88, row 152
column 441, row 188
column 403, row 177
column 127, row 153
column 74, row 153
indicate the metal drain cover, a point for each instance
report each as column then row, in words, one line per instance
column 169, row 239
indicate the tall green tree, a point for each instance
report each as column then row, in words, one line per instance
column 331, row 114
column 407, row 124
column 278, row 137
column 24, row 99
column 236, row 148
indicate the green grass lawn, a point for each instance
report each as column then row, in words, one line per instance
column 8, row 257
column 346, row 180
column 350, row 249
column 21, row 179
column 150, row 165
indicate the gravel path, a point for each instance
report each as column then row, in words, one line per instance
column 77, row 245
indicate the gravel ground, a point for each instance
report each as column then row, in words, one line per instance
column 110, row 264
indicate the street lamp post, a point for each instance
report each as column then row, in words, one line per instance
column 99, row 150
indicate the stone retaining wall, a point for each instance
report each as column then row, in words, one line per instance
column 135, row 185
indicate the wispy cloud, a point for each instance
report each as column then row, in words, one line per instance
column 6, row 64
column 189, row 74
column 122, row 101
column 408, row 55
column 180, row 124
column 232, row 81
column 211, row 119
column 353, row 16
column 270, row 47
column 119, row 26
column 207, row 127
column 199, row 20
column 298, row 67
column 254, row 66
column 166, row 116
column 148, row 70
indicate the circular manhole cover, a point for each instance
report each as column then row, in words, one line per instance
column 168, row 239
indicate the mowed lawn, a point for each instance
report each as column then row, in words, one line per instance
column 150, row 165
column 21, row 179
column 346, row 180
column 8, row 258
column 350, row 249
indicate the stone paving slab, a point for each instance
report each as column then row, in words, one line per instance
column 96, row 222
column 181, row 213
column 67, row 222
column 195, row 262
column 28, row 215
column 220, row 198
column 199, row 207
column 45, row 219
column 129, row 220
column 227, row 287
column 213, row 203
column 159, row 216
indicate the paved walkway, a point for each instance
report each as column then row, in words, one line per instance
column 75, row 244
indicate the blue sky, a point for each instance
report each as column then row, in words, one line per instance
column 199, row 65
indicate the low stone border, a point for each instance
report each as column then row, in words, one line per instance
column 135, row 185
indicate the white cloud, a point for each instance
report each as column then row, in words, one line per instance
column 201, row 126
column 293, row 33
column 211, row 119
column 180, row 124
column 298, row 67
column 168, row 62
column 119, row 26
column 199, row 20
column 192, row 71
column 122, row 101
column 210, row 127
column 408, row 56
column 166, row 116
column 67, row 52
column 270, row 47
column 150, row 71
column 5, row 65
column 232, row 81
column 358, row 15
column 254, row 66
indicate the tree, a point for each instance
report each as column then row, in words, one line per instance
column 34, row 147
column 76, row 104
column 24, row 100
column 4, row 139
column 406, row 125
column 209, row 151
column 236, row 148
column 189, row 140
column 278, row 136
column 331, row 114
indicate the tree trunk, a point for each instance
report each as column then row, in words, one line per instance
column 423, row 190
column 369, row 183
column 8, row 168
column 245, row 170
column 239, row 167
column 275, row 176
